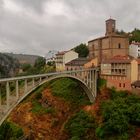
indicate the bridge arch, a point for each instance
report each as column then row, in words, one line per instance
column 83, row 85
column 86, row 78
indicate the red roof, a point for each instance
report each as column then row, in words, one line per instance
column 119, row 59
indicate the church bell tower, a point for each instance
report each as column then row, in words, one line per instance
column 110, row 27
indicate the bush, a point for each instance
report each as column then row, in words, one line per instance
column 9, row 130
column 119, row 115
column 79, row 124
column 118, row 94
column 101, row 83
column 37, row 108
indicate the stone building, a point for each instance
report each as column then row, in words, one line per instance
column 109, row 45
column 134, row 49
column 64, row 57
column 120, row 72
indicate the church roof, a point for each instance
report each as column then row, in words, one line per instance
column 110, row 19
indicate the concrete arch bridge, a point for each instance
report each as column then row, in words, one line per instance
column 14, row 90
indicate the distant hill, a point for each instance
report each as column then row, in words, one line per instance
column 24, row 58
column 9, row 66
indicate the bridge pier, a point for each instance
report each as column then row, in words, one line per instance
column 33, row 82
column 17, row 90
column 95, row 83
column 25, row 85
column 7, row 96
column 0, row 98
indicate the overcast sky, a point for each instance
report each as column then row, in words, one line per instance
column 37, row 26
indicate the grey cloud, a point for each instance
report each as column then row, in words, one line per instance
column 35, row 5
column 38, row 32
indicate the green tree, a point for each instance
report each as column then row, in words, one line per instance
column 40, row 62
column 134, row 35
column 82, row 50
column 79, row 125
column 121, row 114
column 26, row 67
column 51, row 63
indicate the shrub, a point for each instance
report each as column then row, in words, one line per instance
column 101, row 83
column 37, row 108
column 79, row 124
column 119, row 115
column 9, row 130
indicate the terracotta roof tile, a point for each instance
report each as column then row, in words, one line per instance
column 119, row 59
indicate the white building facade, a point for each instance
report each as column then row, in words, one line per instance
column 64, row 57
column 134, row 49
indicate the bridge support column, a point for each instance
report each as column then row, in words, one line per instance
column 17, row 90
column 90, row 79
column 33, row 82
column 25, row 86
column 7, row 95
column 95, row 88
column 0, row 98
column 87, row 78
column 40, row 79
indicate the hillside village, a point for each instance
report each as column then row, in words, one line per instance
column 117, row 58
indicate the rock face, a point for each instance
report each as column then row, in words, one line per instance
column 24, row 58
column 8, row 66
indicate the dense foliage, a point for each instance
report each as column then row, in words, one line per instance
column 121, row 114
column 10, row 131
column 80, row 125
column 69, row 90
column 82, row 50
column 134, row 35
column 37, row 68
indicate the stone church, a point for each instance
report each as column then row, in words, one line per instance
column 109, row 45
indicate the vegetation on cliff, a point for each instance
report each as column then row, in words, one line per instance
column 9, row 130
column 8, row 66
column 120, row 116
column 60, row 110
column 80, row 126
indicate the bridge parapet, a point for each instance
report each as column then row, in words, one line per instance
column 14, row 90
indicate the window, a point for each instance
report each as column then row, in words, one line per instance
column 124, row 85
column 119, row 84
column 119, row 45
